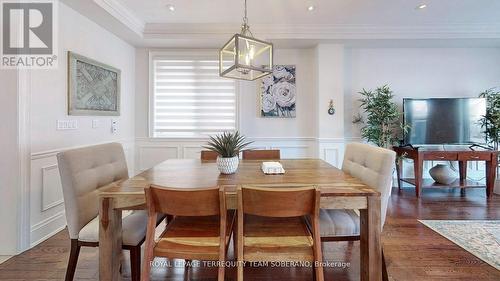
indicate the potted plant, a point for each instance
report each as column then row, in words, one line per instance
column 383, row 125
column 381, row 120
column 490, row 122
column 228, row 146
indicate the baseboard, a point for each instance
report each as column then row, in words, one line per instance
column 4, row 258
column 47, row 228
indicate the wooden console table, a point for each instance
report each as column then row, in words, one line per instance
column 461, row 155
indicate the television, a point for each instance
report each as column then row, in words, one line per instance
column 444, row 121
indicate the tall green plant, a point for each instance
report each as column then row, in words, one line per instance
column 382, row 126
column 227, row 144
column 490, row 122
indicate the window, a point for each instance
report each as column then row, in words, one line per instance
column 188, row 98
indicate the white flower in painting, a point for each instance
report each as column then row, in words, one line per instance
column 283, row 93
column 267, row 81
column 268, row 103
column 281, row 72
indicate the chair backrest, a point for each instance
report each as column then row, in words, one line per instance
column 273, row 154
column 83, row 171
column 186, row 202
column 208, row 155
column 278, row 201
column 374, row 166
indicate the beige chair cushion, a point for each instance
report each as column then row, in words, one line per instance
column 338, row 223
column 372, row 165
column 134, row 226
column 83, row 171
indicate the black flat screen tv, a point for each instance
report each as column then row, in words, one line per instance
column 444, row 121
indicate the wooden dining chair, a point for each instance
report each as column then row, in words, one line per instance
column 273, row 154
column 83, row 172
column 374, row 166
column 272, row 226
column 208, row 155
column 200, row 228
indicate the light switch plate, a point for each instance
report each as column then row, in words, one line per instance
column 67, row 125
column 114, row 126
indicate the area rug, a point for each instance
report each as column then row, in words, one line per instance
column 478, row 237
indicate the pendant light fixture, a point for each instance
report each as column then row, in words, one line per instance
column 245, row 57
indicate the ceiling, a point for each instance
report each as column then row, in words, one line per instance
column 288, row 23
column 373, row 12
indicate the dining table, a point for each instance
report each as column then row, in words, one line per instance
column 338, row 189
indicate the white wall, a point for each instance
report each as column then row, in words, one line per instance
column 252, row 125
column 9, row 172
column 330, row 80
column 49, row 104
column 418, row 73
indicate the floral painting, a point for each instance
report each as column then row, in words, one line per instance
column 278, row 93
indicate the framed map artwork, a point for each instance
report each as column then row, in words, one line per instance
column 93, row 87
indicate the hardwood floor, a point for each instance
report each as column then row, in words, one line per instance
column 413, row 251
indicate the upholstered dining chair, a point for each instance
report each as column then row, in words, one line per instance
column 374, row 166
column 200, row 228
column 83, row 172
column 208, row 155
column 272, row 226
column 264, row 154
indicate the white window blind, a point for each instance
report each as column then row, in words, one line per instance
column 189, row 98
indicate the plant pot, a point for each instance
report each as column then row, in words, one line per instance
column 442, row 174
column 227, row 165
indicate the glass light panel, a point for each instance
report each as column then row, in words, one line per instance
column 245, row 58
column 227, row 55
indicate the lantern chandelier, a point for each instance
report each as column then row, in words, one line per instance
column 245, row 57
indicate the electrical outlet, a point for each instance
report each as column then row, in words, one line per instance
column 67, row 125
column 95, row 123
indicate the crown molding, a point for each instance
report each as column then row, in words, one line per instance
column 123, row 14
column 322, row 31
column 141, row 33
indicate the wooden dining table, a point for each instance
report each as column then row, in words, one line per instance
column 339, row 190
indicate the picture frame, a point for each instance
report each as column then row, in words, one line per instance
column 94, row 88
column 278, row 93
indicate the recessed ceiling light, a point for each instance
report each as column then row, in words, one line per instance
column 421, row 6
column 311, row 8
column 171, row 7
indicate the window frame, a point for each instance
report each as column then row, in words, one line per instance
column 173, row 54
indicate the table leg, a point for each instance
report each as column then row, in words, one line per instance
column 399, row 166
column 370, row 245
column 110, row 240
column 491, row 173
column 418, row 165
column 462, row 167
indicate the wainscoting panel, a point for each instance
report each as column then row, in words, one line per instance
column 192, row 151
column 332, row 149
column 150, row 155
column 51, row 193
column 153, row 151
